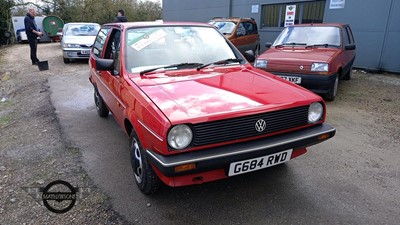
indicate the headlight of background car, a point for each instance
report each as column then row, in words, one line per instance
column 315, row 112
column 71, row 46
column 321, row 67
column 180, row 136
column 260, row 63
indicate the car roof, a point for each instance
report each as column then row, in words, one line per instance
column 234, row 19
column 319, row 25
column 79, row 23
column 156, row 23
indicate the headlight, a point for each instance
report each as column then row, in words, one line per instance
column 321, row 67
column 71, row 46
column 180, row 136
column 315, row 112
column 261, row 63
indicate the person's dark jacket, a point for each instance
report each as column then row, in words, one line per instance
column 30, row 25
column 120, row 19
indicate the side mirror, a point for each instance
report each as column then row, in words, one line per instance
column 349, row 47
column 268, row 44
column 249, row 55
column 104, row 64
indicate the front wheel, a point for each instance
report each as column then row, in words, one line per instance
column 145, row 177
column 101, row 107
column 257, row 50
column 331, row 95
column 66, row 61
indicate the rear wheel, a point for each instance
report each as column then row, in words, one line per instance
column 101, row 107
column 145, row 177
column 331, row 95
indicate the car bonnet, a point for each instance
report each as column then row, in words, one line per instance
column 203, row 94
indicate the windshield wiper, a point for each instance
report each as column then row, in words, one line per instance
column 289, row 43
column 220, row 62
column 170, row 66
column 323, row 45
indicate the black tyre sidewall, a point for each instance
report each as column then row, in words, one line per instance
column 101, row 107
column 150, row 182
column 331, row 95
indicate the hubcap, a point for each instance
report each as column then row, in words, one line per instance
column 137, row 157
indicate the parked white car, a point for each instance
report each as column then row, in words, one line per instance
column 77, row 40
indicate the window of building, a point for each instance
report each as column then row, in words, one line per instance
column 273, row 15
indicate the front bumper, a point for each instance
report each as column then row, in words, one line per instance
column 320, row 84
column 221, row 157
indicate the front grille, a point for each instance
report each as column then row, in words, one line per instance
column 244, row 127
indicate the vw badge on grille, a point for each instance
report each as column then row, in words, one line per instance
column 301, row 67
column 260, row 125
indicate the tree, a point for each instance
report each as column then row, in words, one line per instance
column 5, row 15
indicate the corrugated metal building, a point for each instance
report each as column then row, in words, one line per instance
column 375, row 24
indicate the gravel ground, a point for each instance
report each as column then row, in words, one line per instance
column 33, row 151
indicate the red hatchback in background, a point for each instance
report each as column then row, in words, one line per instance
column 314, row 56
column 194, row 109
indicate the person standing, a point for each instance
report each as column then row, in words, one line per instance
column 32, row 33
column 120, row 17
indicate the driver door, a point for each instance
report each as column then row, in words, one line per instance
column 110, row 81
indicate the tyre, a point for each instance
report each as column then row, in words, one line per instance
column 331, row 95
column 348, row 75
column 66, row 61
column 145, row 177
column 101, row 107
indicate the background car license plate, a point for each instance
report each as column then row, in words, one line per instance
column 296, row 80
column 250, row 165
column 85, row 52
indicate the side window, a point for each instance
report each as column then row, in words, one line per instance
column 113, row 49
column 99, row 42
column 250, row 28
column 241, row 30
column 346, row 39
column 350, row 34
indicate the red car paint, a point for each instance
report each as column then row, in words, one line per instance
column 151, row 104
column 295, row 60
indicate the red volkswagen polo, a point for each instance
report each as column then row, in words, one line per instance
column 195, row 110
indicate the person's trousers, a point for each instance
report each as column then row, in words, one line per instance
column 33, row 46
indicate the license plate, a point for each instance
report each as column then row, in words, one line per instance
column 85, row 52
column 296, row 80
column 259, row 163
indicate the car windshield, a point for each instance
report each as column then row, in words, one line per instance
column 152, row 47
column 225, row 27
column 309, row 36
column 82, row 30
